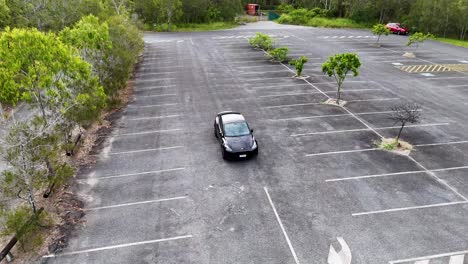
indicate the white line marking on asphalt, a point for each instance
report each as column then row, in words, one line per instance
column 365, row 129
column 156, row 95
column 148, row 132
column 135, row 203
column 431, row 173
column 409, row 208
column 256, row 66
column 155, row 105
column 364, row 100
column 117, row 246
column 325, row 116
column 144, row 150
column 442, row 144
column 140, row 75
column 137, row 174
column 443, row 78
column 155, row 87
column 291, row 248
column 277, row 86
column 450, row 169
column 152, row 117
column 346, row 82
column 260, row 72
column 154, row 80
column 293, row 94
column 341, row 152
column 457, row 259
column 429, row 257
column 375, row 176
column 455, row 86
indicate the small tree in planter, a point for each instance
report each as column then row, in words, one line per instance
column 338, row 66
column 416, row 39
column 278, row 54
column 299, row 64
column 404, row 114
column 261, row 41
column 379, row 30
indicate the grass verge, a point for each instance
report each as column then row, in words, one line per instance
column 192, row 27
column 334, row 23
column 456, row 42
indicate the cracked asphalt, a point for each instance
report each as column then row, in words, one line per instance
column 161, row 192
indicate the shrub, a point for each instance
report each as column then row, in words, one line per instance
column 284, row 8
column 299, row 16
column 284, row 19
column 278, row 54
column 333, row 23
column 299, row 64
column 164, row 27
column 261, row 41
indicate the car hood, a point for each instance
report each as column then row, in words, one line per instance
column 239, row 144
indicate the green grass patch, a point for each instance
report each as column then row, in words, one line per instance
column 456, row 42
column 388, row 144
column 334, row 23
column 193, row 27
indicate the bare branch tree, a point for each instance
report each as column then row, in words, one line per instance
column 404, row 114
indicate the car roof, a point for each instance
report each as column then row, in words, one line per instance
column 232, row 117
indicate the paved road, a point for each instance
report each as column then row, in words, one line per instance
column 161, row 192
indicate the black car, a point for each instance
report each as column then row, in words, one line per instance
column 234, row 135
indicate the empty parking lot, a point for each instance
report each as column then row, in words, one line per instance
column 161, row 192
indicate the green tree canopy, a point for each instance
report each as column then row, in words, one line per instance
column 338, row 66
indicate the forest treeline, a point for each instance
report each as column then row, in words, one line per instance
column 65, row 61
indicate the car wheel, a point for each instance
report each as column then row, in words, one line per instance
column 398, row 33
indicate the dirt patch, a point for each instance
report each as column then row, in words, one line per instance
column 390, row 144
column 305, row 77
column 333, row 101
column 409, row 55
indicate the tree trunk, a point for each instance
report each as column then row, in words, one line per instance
column 338, row 96
column 399, row 133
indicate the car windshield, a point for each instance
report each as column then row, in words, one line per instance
column 236, row 129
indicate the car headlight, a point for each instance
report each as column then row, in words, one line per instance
column 226, row 146
column 254, row 145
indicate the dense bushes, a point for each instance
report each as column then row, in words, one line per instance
column 311, row 17
column 261, row 41
column 278, row 54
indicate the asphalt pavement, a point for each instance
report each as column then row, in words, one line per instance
column 161, row 192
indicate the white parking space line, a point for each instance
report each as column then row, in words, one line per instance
column 153, row 73
column 148, row 132
column 154, row 80
column 365, row 129
column 277, row 86
column 156, row 95
column 375, row 176
column 155, row 87
column 244, row 61
column 321, row 103
column 291, row 248
column 151, row 117
column 346, row 82
column 145, row 150
column 456, row 86
column 333, row 92
column 256, row 66
column 446, row 78
column 260, row 72
column 429, row 257
column 135, row 203
column 458, row 259
column 154, row 105
column 137, row 174
column 341, row 152
column 325, row 116
column 408, row 208
column 450, row 169
column 442, row 144
column 117, row 246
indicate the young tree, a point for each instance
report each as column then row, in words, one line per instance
column 299, row 64
column 379, row 30
column 339, row 66
column 404, row 114
column 418, row 38
column 168, row 10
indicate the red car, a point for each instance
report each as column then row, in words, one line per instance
column 396, row 28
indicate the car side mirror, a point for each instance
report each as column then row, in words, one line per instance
column 251, row 130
